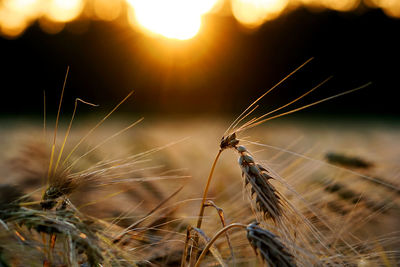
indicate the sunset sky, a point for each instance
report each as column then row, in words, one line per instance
column 199, row 56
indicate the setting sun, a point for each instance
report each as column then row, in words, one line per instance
column 253, row 13
column 177, row 19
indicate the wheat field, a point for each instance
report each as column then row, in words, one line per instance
column 133, row 200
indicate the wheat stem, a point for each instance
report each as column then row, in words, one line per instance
column 221, row 215
column 186, row 247
column 215, row 237
column 203, row 201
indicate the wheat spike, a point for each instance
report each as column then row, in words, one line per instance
column 267, row 198
column 255, row 175
column 269, row 247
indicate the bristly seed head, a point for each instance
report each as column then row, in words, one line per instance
column 267, row 198
column 229, row 141
column 269, row 247
column 60, row 187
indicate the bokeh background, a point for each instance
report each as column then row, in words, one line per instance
column 196, row 57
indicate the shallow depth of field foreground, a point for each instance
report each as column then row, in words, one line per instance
column 329, row 194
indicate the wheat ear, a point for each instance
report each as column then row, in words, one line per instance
column 271, row 250
column 255, row 175
column 269, row 247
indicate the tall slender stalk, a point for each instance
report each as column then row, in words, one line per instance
column 215, row 237
column 202, row 206
column 203, row 201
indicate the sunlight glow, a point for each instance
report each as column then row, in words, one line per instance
column 177, row 19
column 390, row 7
column 107, row 9
column 343, row 5
column 12, row 24
column 253, row 13
column 338, row 5
column 26, row 8
column 51, row 27
column 64, row 10
column 15, row 15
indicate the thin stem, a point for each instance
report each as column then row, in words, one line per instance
column 220, row 212
column 203, row 201
column 304, row 107
column 99, row 145
column 293, row 101
column 45, row 173
column 272, row 88
column 156, row 208
column 69, row 129
column 95, row 127
column 44, row 115
column 215, row 237
column 185, row 250
column 55, row 129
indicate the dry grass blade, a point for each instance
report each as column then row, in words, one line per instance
column 211, row 248
column 69, row 129
column 243, row 114
column 260, row 120
column 268, row 246
column 62, row 224
column 132, row 226
column 102, row 143
column 56, row 128
column 95, row 127
column 221, row 215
